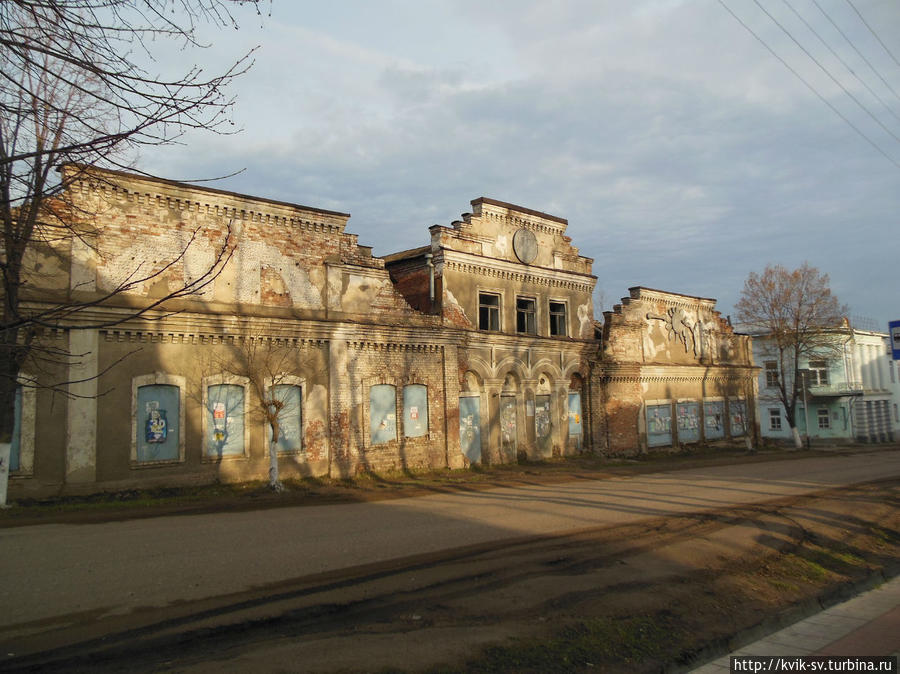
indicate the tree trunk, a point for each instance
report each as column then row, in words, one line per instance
column 274, row 482
column 798, row 441
column 9, row 381
column 11, row 356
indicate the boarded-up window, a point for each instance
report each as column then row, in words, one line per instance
column 415, row 411
column 659, row 425
column 737, row 412
column 290, row 421
column 714, row 419
column 575, row 421
column 382, row 413
column 542, row 423
column 508, row 432
column 470, row 427
column 158, row 413
column 688, row 422
column 225, row 423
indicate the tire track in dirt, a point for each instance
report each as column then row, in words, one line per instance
column 505, row 589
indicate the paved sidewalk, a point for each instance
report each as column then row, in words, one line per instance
column 865, row 625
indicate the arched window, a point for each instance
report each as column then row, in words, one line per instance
column 158, row 419
column 290, row 417
column 382, row 413
column 415, row 410
column 225, row 406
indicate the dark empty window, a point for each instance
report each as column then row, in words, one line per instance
column 558, row 319
column 488, row 311
column 525, row 312
column 818, row 373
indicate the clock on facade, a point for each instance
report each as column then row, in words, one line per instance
column 525, row 245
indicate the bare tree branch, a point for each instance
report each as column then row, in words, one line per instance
column 77, row 91
column 797, row 314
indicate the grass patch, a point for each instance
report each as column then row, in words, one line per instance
column 836, row 560
column 782, row 585
column 586, row 644
column 795, row 566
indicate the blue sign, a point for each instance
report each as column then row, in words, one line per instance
column 894, row 328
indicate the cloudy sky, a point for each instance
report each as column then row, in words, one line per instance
column 683, row 153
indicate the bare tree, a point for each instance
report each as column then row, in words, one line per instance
column 797, row 315
column 267, row 365
column 75, row 92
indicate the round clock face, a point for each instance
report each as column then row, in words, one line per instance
column 525, row 245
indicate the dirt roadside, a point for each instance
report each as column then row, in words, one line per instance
column 657, row 595
column 233, row 497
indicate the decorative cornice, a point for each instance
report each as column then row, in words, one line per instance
column 672, row 299
column 520, row 217
column 388, row 347
column 548, row 279
column 259, row 211
column 155, row 337
column 676, row 373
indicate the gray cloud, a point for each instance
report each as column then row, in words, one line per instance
column 683, row 154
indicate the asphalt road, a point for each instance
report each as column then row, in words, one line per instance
column 56, row 576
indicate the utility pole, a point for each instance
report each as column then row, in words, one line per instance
column 805, row 407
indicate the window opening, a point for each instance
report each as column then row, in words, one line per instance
column 771, row 373
column 774, row 419
column 525, row 316
column 558, row 319
column 488, row 311
column 818, row 373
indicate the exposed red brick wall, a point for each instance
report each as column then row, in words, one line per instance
column 413, row 284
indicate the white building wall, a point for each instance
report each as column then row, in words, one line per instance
column 871, row 382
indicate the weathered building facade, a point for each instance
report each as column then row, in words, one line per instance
column 509, row 279
column 477, row 347
column 672, row 373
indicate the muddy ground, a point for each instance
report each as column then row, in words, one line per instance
column 665, row 594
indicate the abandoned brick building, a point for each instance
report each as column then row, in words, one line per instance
column 480, row 346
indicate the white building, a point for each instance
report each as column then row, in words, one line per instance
column 851, row 391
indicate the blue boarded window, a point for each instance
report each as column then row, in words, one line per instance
column 15, row 449
column 290, row 421
column 714, row 419
column 382, row 413
column 225, row 420
column 470, row 427
column 659, row 425
column 738, row 411
column 415, row 410
column 688, row 422
column 158, row 416
column 575, row 425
